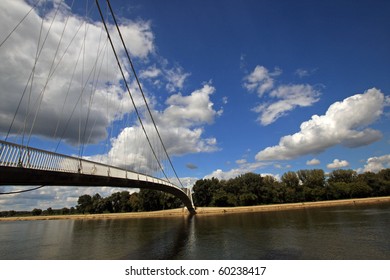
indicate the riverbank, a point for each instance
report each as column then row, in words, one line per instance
column 209, row 210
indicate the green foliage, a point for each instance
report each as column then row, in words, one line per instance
column 303, row 185
column 36, row 212
column 204, row 190
column 84, row 204
column 342, row 175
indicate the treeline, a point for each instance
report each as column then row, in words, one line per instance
column 37, row 212
column 301, row 186
column 145, row 200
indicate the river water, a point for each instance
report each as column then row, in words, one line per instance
column 350, row 232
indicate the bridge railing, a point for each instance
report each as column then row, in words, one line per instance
column 14, row 155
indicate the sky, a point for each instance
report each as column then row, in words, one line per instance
column 234, row 86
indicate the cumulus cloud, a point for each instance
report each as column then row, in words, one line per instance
column 313, row 161
column 176, row 78
column 282, row 99
column 341, row 125
column 289, row 97
column 190, row 110
column 337, row 164
column 241, row 161
column 161, row 74
column 375, row 164
column 73, row 73
column 180, row 126
column 244, row 167
column 150, row 72
column 260, row 80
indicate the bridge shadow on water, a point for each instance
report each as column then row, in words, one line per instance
column 169, row 244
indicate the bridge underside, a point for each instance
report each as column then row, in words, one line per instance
column 28, row 177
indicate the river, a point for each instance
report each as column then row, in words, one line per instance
column 332, row 233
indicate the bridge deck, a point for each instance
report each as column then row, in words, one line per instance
column 20, row 165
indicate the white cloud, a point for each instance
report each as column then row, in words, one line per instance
column 341, row 125
column 176, row 78
column 225, row 100
column 290, row 97
column 190, row 110
column 375, row 164
column 241, row 161
column 180, row 126
column 150, row 73
column 232, row 173
column 282, row 99
column 83, row 53
column 313, row 161
column 260, row 80
column 301, row 73
column 337, row 164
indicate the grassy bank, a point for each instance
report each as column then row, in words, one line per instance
column 210, row 210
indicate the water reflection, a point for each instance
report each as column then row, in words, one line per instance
column 328, row 233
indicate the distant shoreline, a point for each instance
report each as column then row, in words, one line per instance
column 201, row 211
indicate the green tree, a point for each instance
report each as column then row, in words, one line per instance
column 204, row 190
column 134, row 202
column 290, row 180
column 220, row 199
column 313, row 184
column 36, row 212
column 292, row 188
column 170, row 201
column 359, row 190
column 342, row 175
column 65, row 211
column 150, row 200
column 49, row 211
column 84, row 204
column 125, row 205
column 273, row 190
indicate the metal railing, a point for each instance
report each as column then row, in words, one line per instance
column 14, row 155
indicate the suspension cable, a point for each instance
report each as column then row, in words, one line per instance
column 128, row 89
column 20, row 22
column 142, row 92
column 22, row 191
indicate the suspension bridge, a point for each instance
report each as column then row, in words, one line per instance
column 22, row 164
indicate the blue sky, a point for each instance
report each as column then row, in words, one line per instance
column 236, row 86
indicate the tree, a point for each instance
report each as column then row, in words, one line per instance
column 313, row 183
column 170, row 201
column 220, row 199
column 125, row 205
column 359, row 190
column 50, row 211
column 36, row 212
column 84, row 203
column 204, row 190
column 293, row 190
column 342, row 175
column 290, row 180
column 150, row 200
column 134, row 202
column 65, row 211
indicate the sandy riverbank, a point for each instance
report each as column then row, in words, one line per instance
column 211, row 210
